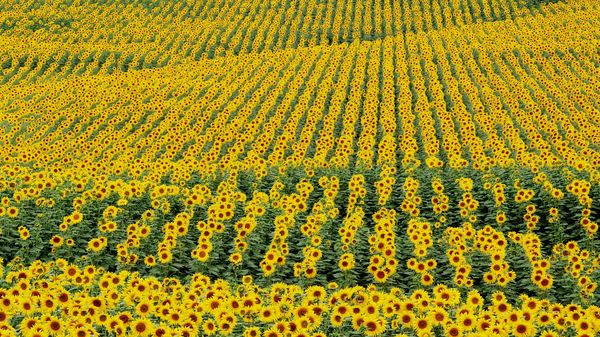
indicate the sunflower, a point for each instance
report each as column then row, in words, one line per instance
column 28, row 323
column 247, row 279
column 141, row 327
column 546, row 282
column 373, row 326
column 56, row 241
column 474, row 299
column 272, row 332
column 54, row 325
column 453, row 330
column 548, row 333
column 583, row 326
column 235, row 258
column 422, row 325
column 12, row 212
column 24, row 233
column 500, row 218
column 144, row 308
column 37, row 332
column 523, row 329
column 82, row 332
column 337, row 320
column 161, row 331
column 438, row 316
column 252, row 332
column 209, row 327
column 150, row 261
column 407, row 319
column 466, row 321
column 426, row 279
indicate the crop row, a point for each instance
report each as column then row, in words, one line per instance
column 55, row 39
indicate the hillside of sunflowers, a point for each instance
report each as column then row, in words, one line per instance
column 300, row 168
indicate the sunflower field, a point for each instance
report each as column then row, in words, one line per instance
column 300, row 168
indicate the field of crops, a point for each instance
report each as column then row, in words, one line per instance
column 300, row 168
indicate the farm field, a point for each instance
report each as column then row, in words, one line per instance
column 306, row 168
